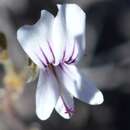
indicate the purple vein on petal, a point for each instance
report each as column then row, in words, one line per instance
column 61, row 67
column 47, row 61
column 51, row 51
column 68, row 111
column 63, row 55
column 41, row 61
column 71, row 60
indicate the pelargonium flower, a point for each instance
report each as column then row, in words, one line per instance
column 55, row 45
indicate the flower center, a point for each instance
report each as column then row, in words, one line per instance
column 66, row 59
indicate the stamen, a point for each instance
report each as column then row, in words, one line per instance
column 52, row 68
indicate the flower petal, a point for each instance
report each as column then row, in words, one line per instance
column 65, row 104
column 58, row 36
column 80, row 87
column 34, row 38
column 71, row 51
column 74, row 18
column 47, row 94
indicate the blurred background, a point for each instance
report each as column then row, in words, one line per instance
column 107, row 63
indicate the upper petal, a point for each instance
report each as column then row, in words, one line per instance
column 74, row 20
column 58, row 36
column 80, row 87
column 71, row 51
column 47, row 94
column 33, row 39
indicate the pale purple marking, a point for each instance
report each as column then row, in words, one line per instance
column 69, row 111
column 41, row 61
column 63, row 55
column 61, row 67
column 71, row 60
column 76, row 46
column 47, row 61
column 51, row 52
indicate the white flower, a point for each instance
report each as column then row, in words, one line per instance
column 55, row 44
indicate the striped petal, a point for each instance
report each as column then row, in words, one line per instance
column 79, row 86
column 65, row 104
column 34, row 39
column 74, row 22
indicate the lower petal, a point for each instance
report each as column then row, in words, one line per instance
column 65, row 104
column 80, row 87
column 47, row 94
column 89, row 93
